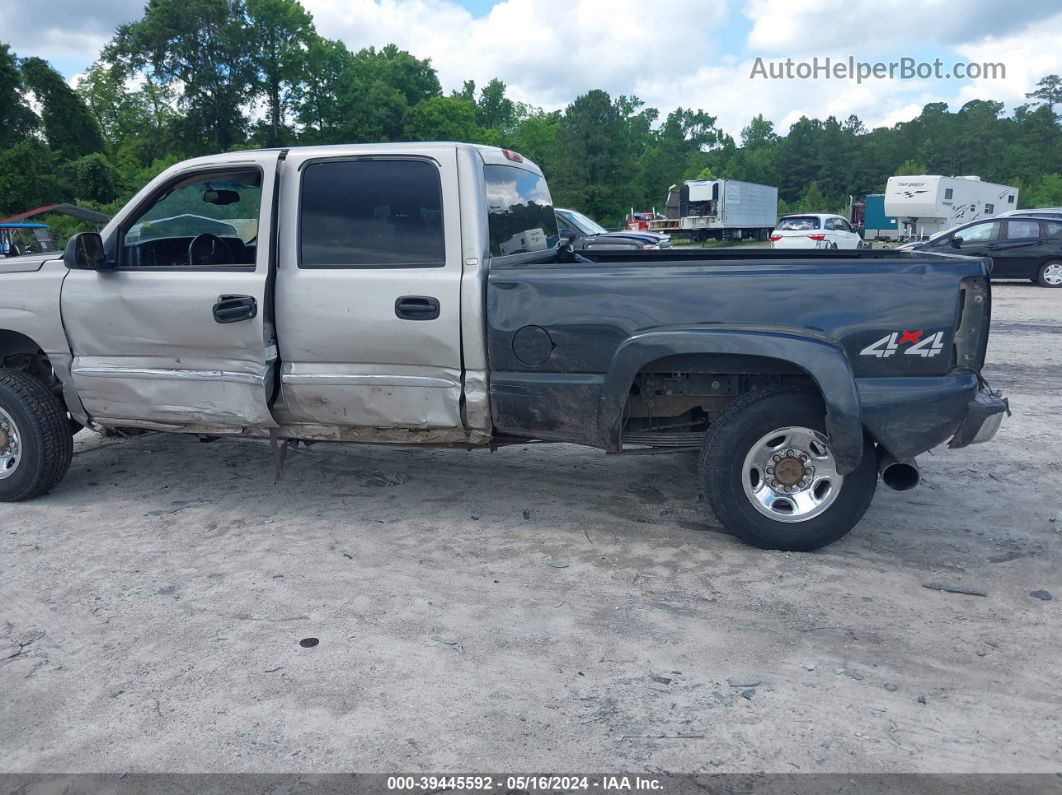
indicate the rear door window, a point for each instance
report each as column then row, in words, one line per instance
column 520, row 211
column 1018, row 230
column 371, row 214
column 798, row 223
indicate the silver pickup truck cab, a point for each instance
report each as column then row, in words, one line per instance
column 417, row 294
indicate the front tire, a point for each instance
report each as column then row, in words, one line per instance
column 35, row 441
column 1050, row 274
column 769, row 473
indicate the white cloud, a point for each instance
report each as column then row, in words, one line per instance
column 1028, row 55
column 806, row 27
column 547, row 51
column 65, row 30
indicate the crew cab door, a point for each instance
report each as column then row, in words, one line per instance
column 178, row 333
column 368, row 291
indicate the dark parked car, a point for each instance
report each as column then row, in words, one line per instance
column 584, row 234
column 1020, row 247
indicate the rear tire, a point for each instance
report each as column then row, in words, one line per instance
column 35, row 440
column 1050, row 274
column 834, row 504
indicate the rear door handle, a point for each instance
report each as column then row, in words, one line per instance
column 417, row 307
column 234, row 308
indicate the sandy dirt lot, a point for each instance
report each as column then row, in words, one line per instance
column 541, row 608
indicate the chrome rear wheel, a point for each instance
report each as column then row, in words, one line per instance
column 770, row 473
column 790, row 474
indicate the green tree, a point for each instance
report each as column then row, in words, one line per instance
column 1045, row 192
column 759, row 133
column 443, row 118
column 674, row 152
column 138, row 125
column 910, row 168
column 281, row 34
column 92, row 178
column 593, row 167
column 494, row 110
column 16, row 119
column 813, row 200
column 317, row 96
column 201, row 46
column 28, row 177
column 1048, row 92
column 69, row 127
column 535, row 137
column 364, row 96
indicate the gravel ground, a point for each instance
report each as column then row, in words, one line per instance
column 541, row 608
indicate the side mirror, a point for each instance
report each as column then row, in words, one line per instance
column 956, row 241
column 567, row 235
column 85, row 252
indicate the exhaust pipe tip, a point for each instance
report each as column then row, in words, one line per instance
column 897, row 475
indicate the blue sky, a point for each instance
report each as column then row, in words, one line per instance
column 550, row 51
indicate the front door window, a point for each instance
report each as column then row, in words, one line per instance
column 206, row 220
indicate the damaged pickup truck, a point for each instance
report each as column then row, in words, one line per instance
column 419, row 294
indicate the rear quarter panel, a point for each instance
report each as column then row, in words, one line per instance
column 850, row 302
column 589, row 310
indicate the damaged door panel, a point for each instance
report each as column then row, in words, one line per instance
column 369, row 291
column 150, row 345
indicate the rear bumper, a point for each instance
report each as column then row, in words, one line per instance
column 983, row 418
column 802, row 242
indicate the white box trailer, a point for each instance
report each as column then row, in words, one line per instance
column 722, row 208
column 927, row 204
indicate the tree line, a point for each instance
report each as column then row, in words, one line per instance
column 192, row 77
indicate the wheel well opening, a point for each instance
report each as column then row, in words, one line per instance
column 673, row 400
column 19, row 352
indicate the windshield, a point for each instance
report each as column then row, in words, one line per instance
column 584, row 224
column 798, row 223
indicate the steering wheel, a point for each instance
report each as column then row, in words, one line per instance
column 205, row 248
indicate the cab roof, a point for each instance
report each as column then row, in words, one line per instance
column 489, row 154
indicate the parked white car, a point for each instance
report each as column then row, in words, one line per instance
column 815, row 230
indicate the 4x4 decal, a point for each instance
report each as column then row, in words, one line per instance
column 890, row 344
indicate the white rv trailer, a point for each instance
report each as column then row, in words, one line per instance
column 927, row 204
column 721, row 208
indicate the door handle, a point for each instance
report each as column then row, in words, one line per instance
column 234, row 308
column 417, row 307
